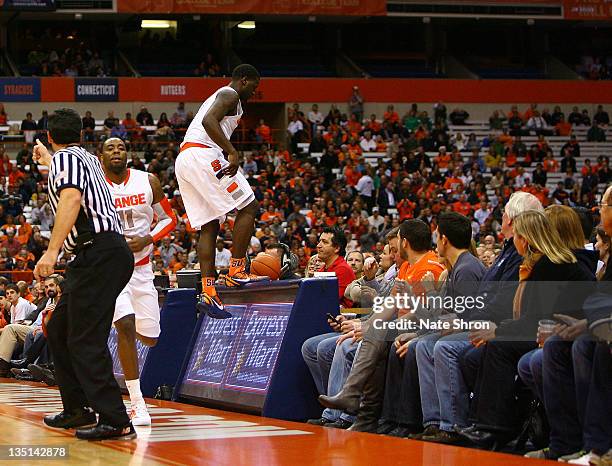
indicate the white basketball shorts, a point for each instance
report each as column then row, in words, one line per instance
column 139, row 297
column 206, row 198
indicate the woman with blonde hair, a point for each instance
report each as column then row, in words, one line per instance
column 547, row 259
column 537, row 367
column 567, row 224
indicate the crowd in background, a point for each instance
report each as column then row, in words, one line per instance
column 330, row 183
column 596, row 68
column 460, row 201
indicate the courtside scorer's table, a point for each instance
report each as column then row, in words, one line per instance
column 251, row 362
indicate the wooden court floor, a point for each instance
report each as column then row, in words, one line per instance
column 189, row 435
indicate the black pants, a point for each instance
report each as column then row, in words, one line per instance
column 79, row 329
column 36, row 348
column 470, row 361
column 496, row 404
column 402, row 395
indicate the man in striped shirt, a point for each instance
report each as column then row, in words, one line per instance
column 86, row 224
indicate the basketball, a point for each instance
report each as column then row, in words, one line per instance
column 266, row 265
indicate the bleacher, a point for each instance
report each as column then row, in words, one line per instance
column 497, row 68
column 396, row 66
column 283, row 63
column 166, row 69
column 588, row 150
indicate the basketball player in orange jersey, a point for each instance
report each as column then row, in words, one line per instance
column 138, row 198
column 211, row 185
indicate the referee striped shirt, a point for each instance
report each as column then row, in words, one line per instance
column 74, row 167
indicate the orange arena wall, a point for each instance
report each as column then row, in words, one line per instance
column 282, row 90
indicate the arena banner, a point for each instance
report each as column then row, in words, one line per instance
column 267, row 7
column 57, row 89
column 20, row 90
column 168, row 89
column 502, row 2
column 588, row 9
column 322, row 90
column 31, row 5
column 96, row 89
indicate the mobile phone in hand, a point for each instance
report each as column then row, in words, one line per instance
column 333, row 319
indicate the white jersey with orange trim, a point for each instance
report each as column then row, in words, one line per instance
column 134, row 203
column 196, row 131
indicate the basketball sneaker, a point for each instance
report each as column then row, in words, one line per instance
column 212, row 306
column 242, row 278
column 139, row 415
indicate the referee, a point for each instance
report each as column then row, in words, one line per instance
column 86, row 224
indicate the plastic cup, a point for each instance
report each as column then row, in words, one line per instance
column 545, row 330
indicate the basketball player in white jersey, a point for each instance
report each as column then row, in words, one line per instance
column 211, row 185
column 138, row 198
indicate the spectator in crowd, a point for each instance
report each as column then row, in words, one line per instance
column 562, row 127
column 42, row 215
column 586, row 119
column 3, row 115
column 264, row 133
column 110, row 122
column 356, row 104
column 330, row 251
column 459, row 116
column 20, row 307
column 596, row 133
column 144, row 118
column 89, row 126
column 222, row 256
column 296, row 131
column 368, row 144
column 315, row 118
column 28, row 128
column 537, row 124
column 546, row 258
column 554, row 384
column 356, row 260
column 602, row 246
column 131, row 127
column 43, row 124
column 575, row 117
column 601, row 117
column 11, row 243
column 30, row 326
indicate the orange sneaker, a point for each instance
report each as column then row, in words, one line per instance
column 242, row 278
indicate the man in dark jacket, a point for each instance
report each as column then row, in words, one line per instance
column 441, row 359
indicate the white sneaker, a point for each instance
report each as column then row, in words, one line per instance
column 588, row 459
column 139, row 414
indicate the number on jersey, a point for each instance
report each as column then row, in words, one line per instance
column 127, row 218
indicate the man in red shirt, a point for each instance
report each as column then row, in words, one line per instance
column 330, row 251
